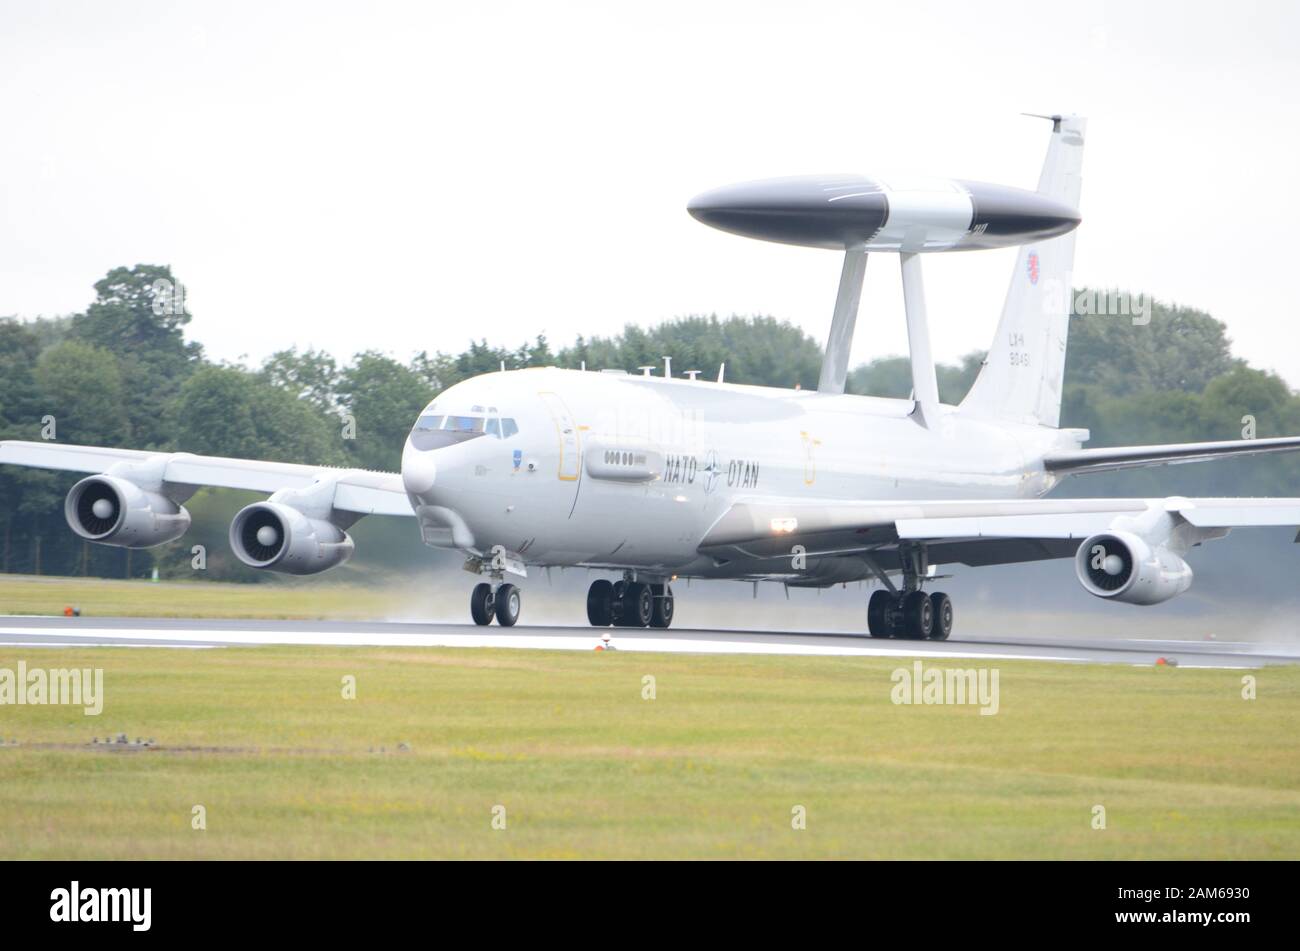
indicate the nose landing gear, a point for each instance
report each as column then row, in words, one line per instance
column 504, row 604
column 497, row 599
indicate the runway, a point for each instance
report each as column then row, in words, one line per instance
column 26, row 631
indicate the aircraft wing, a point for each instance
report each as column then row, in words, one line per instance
column 971, row 532
column 356, row 490
column 1130, row 457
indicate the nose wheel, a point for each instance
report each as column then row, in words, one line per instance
column 504, row 603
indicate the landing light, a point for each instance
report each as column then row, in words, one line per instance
column 784, row 526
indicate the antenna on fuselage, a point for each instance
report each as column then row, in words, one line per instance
column 692, row 374
column 722, row 371
column 646, row 371
column 668, row 366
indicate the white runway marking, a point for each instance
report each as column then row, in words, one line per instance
column 791, row 644
column 168, row 632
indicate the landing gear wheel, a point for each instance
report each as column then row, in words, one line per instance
column 942, row 608
column 662, row 613
column 618, row 604
column 638, row 605
column 600, row 612
column 508, row 603
column 480, row 604
column 918, row 615
column 879, row 609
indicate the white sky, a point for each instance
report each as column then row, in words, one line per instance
column 402, row 177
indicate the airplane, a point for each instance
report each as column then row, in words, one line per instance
column 649, row 479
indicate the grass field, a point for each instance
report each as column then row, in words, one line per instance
column 109, row 597
column 585, row 767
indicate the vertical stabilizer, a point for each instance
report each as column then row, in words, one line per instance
column 1025, row 368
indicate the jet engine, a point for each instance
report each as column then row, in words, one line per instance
column 1123, row 567
column 278, row 537
column 113, row 511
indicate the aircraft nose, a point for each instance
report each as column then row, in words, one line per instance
column 419, row 471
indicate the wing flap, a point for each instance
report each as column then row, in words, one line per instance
column 1060, row 525
column 1240, row 513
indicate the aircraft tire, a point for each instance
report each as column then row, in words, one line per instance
column 508, row 603
column 918, row 615
column 661, row 614
column 878, row 613
column 480, row 604
column 638, row 605
column 942, row 605
column 599, row 603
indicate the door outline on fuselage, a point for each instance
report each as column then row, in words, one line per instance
column 810, row 445
column 570, row 465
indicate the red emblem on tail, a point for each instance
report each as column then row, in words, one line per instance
column 1033, row 267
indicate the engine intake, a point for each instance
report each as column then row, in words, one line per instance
column 1123, row 567
column 118, row 512
column 278, row 537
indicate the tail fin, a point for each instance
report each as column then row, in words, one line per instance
column 1025, row 367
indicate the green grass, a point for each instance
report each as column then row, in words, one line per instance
column 108, row 597
column 585, row 767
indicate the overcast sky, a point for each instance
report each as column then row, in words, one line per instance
column 409, row 176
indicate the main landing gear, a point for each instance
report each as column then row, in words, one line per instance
column 629, row 603
column 910, row 613
column 503, row 603
column 914, row 615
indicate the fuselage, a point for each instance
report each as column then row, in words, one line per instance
column 566, row 467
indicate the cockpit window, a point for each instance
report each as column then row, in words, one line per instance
column 465, row 424
column 455, row 429
column 426, row 423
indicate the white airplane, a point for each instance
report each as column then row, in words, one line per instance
column 654, row 478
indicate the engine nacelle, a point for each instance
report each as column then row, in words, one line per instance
column 1123, row 567
column 115, row 511
column 278, row 537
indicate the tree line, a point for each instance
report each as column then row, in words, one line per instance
column 123, row 373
